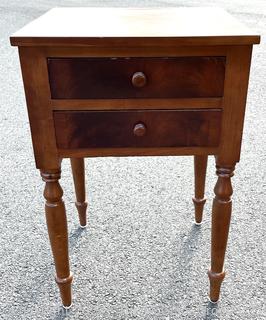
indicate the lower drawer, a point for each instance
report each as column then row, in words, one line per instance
column 148, row 128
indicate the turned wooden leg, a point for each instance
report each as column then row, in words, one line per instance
column 200, row 167
column 78, row 170
column 221, row 214
column 57, row 230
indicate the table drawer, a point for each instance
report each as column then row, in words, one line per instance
column 151, row 128
column 107, row 78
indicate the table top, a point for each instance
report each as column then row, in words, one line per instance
column 134, row 26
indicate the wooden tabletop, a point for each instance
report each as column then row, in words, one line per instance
column 134, row 26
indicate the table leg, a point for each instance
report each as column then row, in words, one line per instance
column 200, row 167
column 57, row 230
column 221, row 214
column 78, row 171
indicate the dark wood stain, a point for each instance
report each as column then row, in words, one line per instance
column 170, row 77
column 114, row 129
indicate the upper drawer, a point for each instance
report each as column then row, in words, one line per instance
column 122, row 78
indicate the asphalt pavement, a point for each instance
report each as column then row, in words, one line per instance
column 141, row 257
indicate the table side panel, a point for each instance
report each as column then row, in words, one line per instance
column 36, row 85
column 234, row 103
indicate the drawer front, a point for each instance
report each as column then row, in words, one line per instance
column 133, row 129
column 107, row 78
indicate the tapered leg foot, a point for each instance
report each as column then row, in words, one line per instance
column 78, row 171
column 82, row 212
column 216, row 280
column 221, row 215
column 58, row 235
column 200, row 167
column 198, row 205
column 65, row 290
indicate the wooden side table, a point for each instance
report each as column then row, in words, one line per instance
column 135, row 82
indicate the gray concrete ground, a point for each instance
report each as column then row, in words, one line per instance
column 141, row 257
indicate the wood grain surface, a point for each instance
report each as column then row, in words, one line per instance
column 115, row 129
column 92, row 78
column 134, row 26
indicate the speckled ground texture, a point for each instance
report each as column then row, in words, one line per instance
column 141, row 257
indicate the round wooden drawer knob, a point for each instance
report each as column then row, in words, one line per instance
column 139, row 79
column 139, row 130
